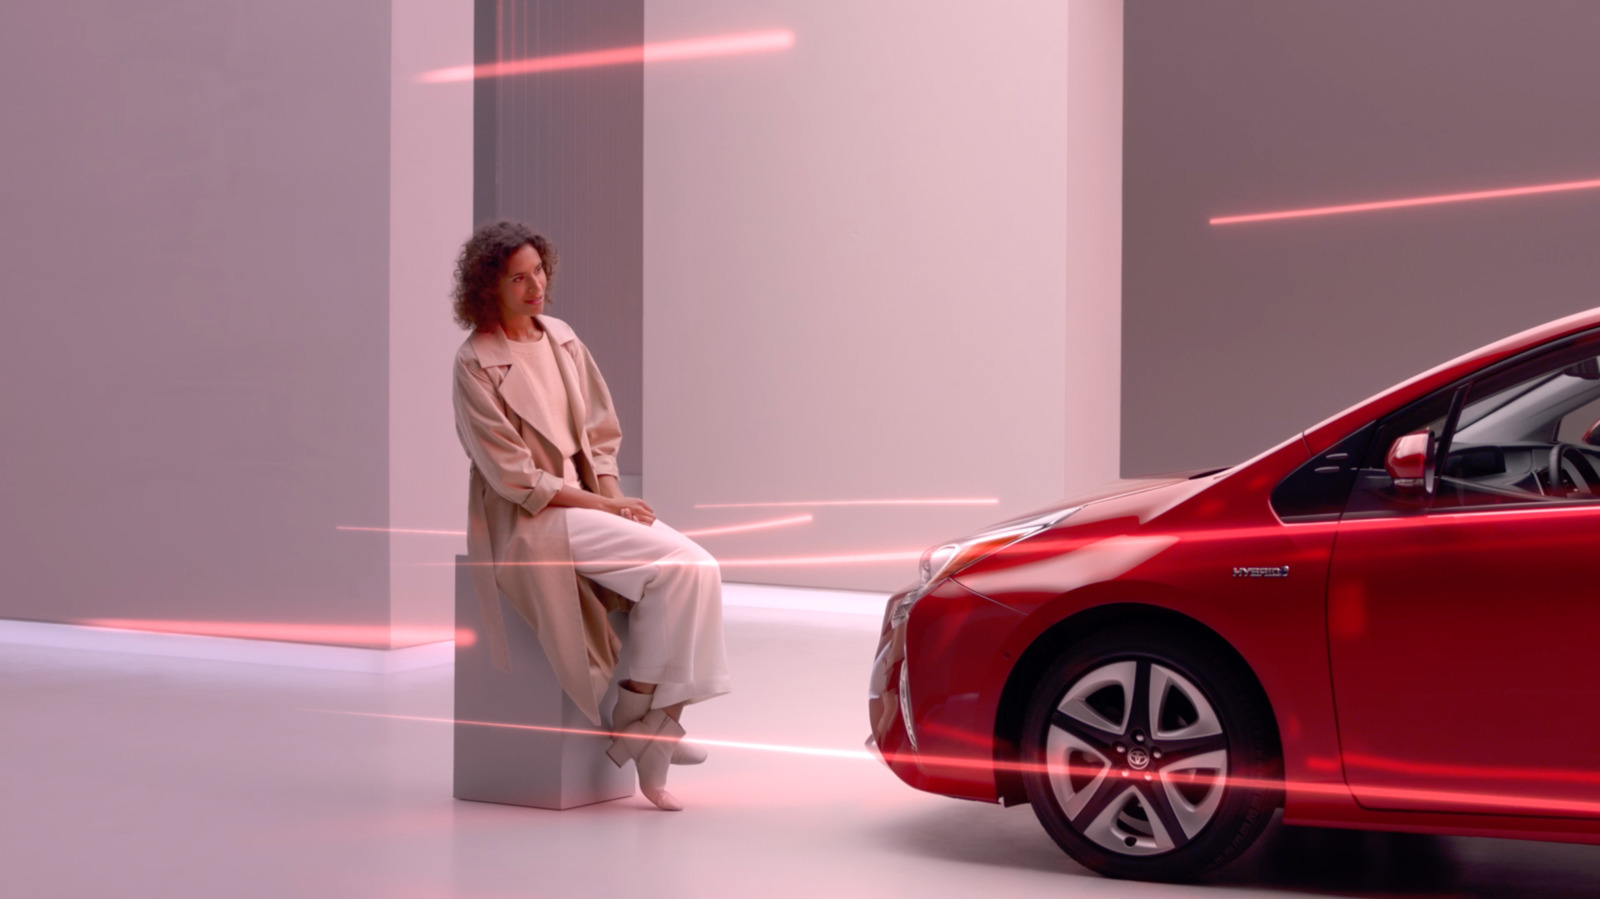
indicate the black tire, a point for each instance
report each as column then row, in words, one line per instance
column 1209, row 781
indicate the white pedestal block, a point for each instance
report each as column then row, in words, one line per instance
column 521, row 764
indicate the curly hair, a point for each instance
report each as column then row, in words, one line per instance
column 482, row 262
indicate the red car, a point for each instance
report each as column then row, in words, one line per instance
column 1389, row 622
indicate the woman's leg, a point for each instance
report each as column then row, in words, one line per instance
column 674, row 711
column 676, row 652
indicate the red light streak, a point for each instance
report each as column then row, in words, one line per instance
column 1460, row 517
column 752, row 526
column 363, row 635
column 1064, row 543
column 343, row 527
column 1479, row 772
column 852, row 502
column 703, row 532
column 821, row 751
column 1059, row 545
column 1523, row 804
column 1510, row 804
column 856, row 559
column 661, row 51
column 1409, row 201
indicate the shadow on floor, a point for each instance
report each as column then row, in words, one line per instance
column 1326, row 861
column 1321, row 861
column 980, row 834
column 1291, row 860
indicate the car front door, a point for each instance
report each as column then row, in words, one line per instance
column 1464, row 609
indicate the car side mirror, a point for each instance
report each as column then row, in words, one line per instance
column 1592, row 436
column 1412, row 462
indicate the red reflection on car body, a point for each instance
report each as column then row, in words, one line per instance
column 982, row 501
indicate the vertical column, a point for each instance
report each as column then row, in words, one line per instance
column 430, row 214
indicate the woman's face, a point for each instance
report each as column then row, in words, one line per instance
column 522, row 285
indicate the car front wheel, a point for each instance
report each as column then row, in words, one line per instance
column 1147, row 757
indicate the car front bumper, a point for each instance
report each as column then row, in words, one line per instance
column 934, row 689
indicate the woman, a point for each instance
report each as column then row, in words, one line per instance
column 548, row 525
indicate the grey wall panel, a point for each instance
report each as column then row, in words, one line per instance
column 193, row 345
column 1235, row 337
column 563, row 151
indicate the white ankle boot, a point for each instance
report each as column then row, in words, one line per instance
column 649, row 737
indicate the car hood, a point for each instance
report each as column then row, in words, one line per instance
column 1103, row 538
column 1138, row 500
column 1107, row 491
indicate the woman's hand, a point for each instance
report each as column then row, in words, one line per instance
column 632, row 509
column 627, row 507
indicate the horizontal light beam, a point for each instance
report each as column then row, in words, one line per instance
column 857, row 559
column 367, row 635
column 661, row 51
column 849, row 559
column 343, row 527
column 1409, row 201
column 752, row 526
column 985, row 761
column 703, row 532
column 1538, row 774
column 852, row 502
column 825, row 752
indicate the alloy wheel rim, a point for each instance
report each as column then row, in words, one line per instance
column 1137, row 757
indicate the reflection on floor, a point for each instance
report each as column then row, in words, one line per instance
column 134, row 776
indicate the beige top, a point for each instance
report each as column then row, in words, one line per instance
column 539, row 370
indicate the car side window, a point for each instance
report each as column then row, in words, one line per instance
column 1508, row 445
column 1517, row 435
column 1319, row 489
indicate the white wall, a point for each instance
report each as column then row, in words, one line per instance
column 856, row 273
column 430, row 202
column 194, row 209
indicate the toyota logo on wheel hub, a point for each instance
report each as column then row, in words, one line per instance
column 1138, row 759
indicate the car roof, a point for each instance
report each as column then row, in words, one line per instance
column 1326, row 433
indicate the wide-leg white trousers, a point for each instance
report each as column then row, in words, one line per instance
column 675, row 627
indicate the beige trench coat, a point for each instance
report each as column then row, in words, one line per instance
column 512, row 481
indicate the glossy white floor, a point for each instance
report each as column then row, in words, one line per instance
column 130, row 776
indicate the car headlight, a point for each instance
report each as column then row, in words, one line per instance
column 942, row 562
